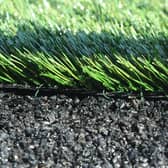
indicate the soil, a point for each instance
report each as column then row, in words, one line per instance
column 82, row 132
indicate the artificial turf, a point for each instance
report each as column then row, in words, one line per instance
column 114, row 45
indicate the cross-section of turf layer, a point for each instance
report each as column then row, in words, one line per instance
column 115, row 45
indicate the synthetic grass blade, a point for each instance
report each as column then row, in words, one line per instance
column 111, row 45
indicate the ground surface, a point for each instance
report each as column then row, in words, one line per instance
column 59, row 131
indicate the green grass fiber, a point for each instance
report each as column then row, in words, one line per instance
column 116, row 45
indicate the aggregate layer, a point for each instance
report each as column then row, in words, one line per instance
column 90, row 132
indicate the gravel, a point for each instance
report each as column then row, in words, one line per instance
column 90, row 132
